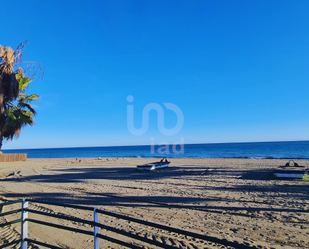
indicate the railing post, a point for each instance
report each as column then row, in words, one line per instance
column 24, row 225
column 96, row 229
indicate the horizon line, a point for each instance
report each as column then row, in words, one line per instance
column 108, row 146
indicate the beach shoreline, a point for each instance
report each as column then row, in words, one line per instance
column 234, row 199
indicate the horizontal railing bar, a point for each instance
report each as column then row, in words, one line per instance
column 82, row 232
column 115, row 230
column 11, row 243
column 59, row 216
column 42, row 244
column 61, row 205
column 11, row 212
column 10, row 222
column 10, row 202
column 61, row 227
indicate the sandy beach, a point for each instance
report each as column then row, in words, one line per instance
column 232, row 199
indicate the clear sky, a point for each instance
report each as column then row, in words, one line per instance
column 237, row 70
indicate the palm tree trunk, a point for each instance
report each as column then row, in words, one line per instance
column 1, row 98
column 1, row 141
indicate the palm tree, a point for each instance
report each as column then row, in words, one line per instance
column 18, row 113
column 15, row 110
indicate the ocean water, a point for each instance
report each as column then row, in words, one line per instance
column 261, row 150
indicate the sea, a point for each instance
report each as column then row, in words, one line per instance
column 259, row 150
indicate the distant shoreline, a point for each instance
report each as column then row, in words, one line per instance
column 166, row 156
column 269, row 150
column 156, row 157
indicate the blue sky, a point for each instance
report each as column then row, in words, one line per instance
column 238, row 70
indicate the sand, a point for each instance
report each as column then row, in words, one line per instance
column 232, row 199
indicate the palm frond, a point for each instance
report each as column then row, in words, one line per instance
column 32, row 68
column 8, row 58
column 29, row 98
column 23, row 106
column 23, row 82
column 1, row 53
column 19, row 53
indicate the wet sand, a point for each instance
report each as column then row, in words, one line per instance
column 232, row 199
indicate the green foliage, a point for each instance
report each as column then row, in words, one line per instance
column 19, row 113
column 23, row 82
